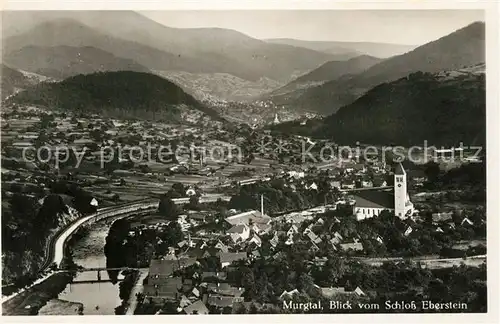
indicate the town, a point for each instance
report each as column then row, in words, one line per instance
column 249, row 229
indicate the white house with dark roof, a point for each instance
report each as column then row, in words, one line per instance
column 239, row 233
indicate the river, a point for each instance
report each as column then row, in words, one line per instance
column 97, row 298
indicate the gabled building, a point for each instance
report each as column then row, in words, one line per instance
column 370, row 203
column 168, row 288
column 196, row 308
column 355, row 246
column 239, row 233
column 246, row 218
column 292, row 231
column 227, row 258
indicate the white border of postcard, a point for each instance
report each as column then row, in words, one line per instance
column 491, row 8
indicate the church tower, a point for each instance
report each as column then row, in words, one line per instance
column 276, row 120
column 401, row 199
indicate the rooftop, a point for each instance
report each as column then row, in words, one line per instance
column 196, row 308
column 399, row 170
column 232, row 256
column 374, row 199
column 246, row 217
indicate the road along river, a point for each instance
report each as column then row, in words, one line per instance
column 99, row 298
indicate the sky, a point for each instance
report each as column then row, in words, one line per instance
column 412, row 27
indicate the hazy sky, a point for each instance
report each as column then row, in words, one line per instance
column 413, row 27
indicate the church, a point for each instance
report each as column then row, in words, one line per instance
column 371, row 203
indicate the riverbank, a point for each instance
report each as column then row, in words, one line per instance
column 61, row 307
column 126, row 287
column 138, row 289
column 32, row 300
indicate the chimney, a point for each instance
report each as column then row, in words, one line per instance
column 262, row 204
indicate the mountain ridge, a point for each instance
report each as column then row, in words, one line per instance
column 124, row 93
column 463, row 47
column 331, row 70
column 443, row 108
column 349, row 49
column 64, row 61
column 190, row 50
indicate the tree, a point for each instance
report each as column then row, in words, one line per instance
column 194, row 203
column 432, row 171
column 168, row 208
column 179, row 188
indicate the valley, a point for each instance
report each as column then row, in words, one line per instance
column 153, row 164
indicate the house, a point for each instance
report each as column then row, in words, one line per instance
column 355, row 246
column 256, row 254
column 159, row 270
column 293, row 230
column 289, row 241
column 94, row 202
column 359, row 292
column 349, row 166
column 379, row 181
column 184, row 302
column 196, row 308
column 320, row 261
column 466, row 221
column 408, row 231
column 246, row 218
column 256, row 240
column 312, row 186
column 359, row 168
column 348, row 184
column 199, row 217
column 183, row 243
column 296, row 174
column 184, row 262
column 333, row 243
column 330, row 292
column 451, row 225
column 295, row 218
column 168, row 288
column 337, row 238
column 239, row 233
column 223, row 301
column 224, row 289
column 221, row 246
column 442, row 217
column 335, row 184
column 288, row 294
column 190, row 192
column 227, row 258
column 313, row 247
column 261, row 228
column 275, row 240
column 214, row 275
column 313, row 237
column 366, row 183
column 187, row 285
